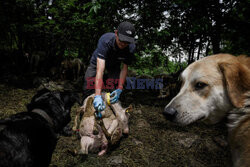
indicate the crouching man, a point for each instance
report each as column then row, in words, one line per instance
column 113, row 50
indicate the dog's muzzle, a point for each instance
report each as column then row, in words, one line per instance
column 170, row 113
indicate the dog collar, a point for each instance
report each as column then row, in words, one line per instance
column 44, row 115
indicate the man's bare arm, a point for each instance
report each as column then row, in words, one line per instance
column 123, row 76
column 99, row 76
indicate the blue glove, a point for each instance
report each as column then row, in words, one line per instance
column 98, row 115
column 115, row 95
column 98, row 103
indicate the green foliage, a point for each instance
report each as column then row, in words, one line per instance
column 171, row 67
column 154, row 62
column 72, row 28
column 70, row 54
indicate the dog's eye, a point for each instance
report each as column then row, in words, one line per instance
column 200, row 85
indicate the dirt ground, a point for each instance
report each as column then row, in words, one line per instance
column 153, row 141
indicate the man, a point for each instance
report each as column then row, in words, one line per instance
column 113, row 49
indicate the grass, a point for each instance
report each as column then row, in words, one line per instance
column 153, row 141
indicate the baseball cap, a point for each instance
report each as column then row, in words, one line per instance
column 126, row 32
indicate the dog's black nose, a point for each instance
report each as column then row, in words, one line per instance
column 169, row 113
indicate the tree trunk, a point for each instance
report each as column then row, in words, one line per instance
column 199, row 48
column 216, row 37
column 191, row 53
column 207, row 48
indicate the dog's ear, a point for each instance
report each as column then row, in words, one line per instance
column 237, row 80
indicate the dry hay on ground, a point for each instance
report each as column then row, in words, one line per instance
column 153, row 141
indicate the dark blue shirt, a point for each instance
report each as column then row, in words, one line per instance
column 108, row 50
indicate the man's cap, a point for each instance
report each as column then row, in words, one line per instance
column 126, row 32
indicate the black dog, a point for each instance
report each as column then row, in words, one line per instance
column 29, row 138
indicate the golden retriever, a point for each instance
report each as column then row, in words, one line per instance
column 213, row 88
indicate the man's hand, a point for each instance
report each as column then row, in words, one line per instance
column 115, row 95
column 99, row 104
